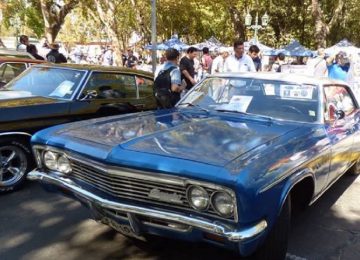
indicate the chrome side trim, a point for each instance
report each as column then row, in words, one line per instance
column 15, row 133
column 212, row 227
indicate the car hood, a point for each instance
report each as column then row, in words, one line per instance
column 207, row 138
column 22, row 98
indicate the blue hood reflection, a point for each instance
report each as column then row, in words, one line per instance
column 214, row 139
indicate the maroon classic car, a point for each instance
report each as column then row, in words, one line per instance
column 11, row 67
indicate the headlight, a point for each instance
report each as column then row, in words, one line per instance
column 223, row 203
column 63, row 164
column 57, row 162
column 198, row 197
column 50, row 160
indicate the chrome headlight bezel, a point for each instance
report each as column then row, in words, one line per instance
column 190, row 197
column 215, row 205
column 60, row 162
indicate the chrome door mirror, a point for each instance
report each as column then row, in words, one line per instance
column 339, row 114
column 90, row 94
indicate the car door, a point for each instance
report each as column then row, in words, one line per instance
column 340, row 131
column 106, row 93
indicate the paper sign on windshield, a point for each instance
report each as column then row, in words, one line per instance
column 296, row 92
column 63, row 89
column 239, row 103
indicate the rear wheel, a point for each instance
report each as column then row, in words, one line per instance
column 15, row 161
column 355, row 169
column 275, row 245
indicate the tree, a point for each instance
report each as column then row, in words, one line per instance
column 54, row 16
column 322, row 25
column 29, row 15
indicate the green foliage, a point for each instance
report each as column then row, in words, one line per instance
column 196, row 20
column 28, row 12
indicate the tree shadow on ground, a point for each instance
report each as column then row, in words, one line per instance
column 40, row 225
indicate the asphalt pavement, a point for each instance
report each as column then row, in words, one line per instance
column 37, row 225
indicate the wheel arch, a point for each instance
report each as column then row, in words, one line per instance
column 301, row 188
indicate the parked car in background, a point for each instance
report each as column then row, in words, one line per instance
column 15, row 54
column 12, row 67
column 47, row 95
column 228, row 165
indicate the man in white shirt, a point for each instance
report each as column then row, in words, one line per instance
column 239, row 62
column 318, row 66
column 218, row 62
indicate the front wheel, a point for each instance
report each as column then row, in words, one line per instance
column 275, row 245
column 355, row 169
column 15, row 161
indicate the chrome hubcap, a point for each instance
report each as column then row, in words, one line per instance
column 13, row 165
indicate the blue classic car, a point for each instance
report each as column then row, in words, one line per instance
column 229, row 165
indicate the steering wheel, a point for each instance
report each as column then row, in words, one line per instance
column 286, row 107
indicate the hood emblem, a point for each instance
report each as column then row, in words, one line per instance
column 165, row 196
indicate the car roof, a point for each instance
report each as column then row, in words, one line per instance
column 98, row 68
column 13, row 59
column 15, row 53
column 286, row 77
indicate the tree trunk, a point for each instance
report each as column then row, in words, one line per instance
column 238, row 23
column 54, row 17
column 106, row 12
column 322, row 29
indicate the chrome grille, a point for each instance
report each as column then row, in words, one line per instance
column 134, row 187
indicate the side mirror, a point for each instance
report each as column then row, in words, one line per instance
column 90, row 94
column 339, row 114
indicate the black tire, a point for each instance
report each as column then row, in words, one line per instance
column 16, row 160
column 275, row 245
column 355, row 169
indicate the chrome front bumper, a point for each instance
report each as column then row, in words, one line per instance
column 207, row 226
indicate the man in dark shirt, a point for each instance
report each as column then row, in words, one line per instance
column 131, row 60
column 54, row 55
column 254, row 54
column 187, row 67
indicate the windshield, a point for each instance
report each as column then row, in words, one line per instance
column 47, row 82
column 276, row 99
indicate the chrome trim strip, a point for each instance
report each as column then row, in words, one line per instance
column 204, row 225
column 82, row 86
column 15, row 133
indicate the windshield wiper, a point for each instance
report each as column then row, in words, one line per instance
column 268, row 118
column 194, row 105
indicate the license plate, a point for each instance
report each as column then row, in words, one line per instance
column 121, row 228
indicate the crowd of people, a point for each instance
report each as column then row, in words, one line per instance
column 184, row 72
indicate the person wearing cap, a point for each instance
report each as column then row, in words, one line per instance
column 218, row 62
column 335, row 66
column 54, row 55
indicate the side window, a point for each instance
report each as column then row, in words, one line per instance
column 111, row 85
column 337, row 98
column 8, row 71
column 145, row 86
